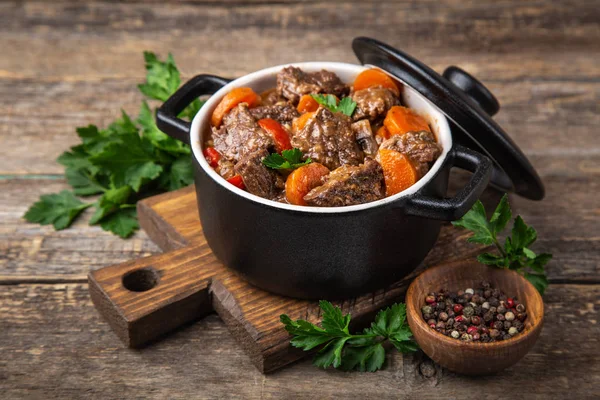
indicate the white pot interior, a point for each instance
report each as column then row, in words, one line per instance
column 266, row 79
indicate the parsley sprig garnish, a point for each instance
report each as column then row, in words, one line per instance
column 515, row 254
column 329, row 101
column 288, row 159
column 123, row 163
column 341, row 349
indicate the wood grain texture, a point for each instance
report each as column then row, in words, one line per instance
column 473, row 358
column 55, row 345
column 70, row 63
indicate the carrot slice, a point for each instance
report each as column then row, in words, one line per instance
column 400, row 120
column 302, row 181
column 277, row 132
column 237, row 181
column 374, row 77
column 307, row 104
column 398, row 171
column 232, row 99
column 299, row 123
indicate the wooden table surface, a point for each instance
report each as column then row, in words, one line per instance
column 69, row 63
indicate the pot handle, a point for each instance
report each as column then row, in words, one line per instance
column 457, row 206
column 166, row 116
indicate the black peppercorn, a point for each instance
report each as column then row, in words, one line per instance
column 519, row 325
column 520, row 308
column 500, row 317
column 487, row 293
column 468, row 311
column 493, row 301
column 488, row 316
column 450, row 322
column 441, row 325
column 498, row 325
column 506, row 336
column 476, row 299
column 522, row 316
column 443, row 316
column 501, row 309
column 507, row 325
column 494, row 333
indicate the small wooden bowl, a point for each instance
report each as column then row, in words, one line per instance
column 473, row 358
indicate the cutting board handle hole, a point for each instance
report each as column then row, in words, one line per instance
column 141, row 280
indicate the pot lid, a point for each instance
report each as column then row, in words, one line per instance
column 468, row 105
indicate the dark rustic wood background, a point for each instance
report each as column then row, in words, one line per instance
column 69, row 63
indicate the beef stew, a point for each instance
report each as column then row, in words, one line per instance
column 316, row 141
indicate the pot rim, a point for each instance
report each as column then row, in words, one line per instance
column 438, row 122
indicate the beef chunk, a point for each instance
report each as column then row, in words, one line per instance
column 349, row 185
column 420, row 147
column 292, row 83
column 282, row 113
column 328, row 139
column 271, row 97
column 364, row 137
column 373, row 103
column 259, row 179
column 240, row 134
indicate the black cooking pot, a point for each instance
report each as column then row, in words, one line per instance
column 315, row 252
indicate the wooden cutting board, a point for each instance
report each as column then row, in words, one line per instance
column 145, row 299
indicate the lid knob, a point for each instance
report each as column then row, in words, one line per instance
column 473, row 88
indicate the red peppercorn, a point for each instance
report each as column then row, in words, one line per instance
column 459, row 318
column 432, row 326
column 510, row 302
column 212, row 156
column 458, row 308
column 430, row 299
column 475, row 320
column 484, row 330
column 472, row 329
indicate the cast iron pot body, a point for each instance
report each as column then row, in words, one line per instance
column 314, row 252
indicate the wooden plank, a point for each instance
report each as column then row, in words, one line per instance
column 553, row 37
column 54, row 342
column 30, row 252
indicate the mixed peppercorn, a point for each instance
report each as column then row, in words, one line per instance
column 483, row 315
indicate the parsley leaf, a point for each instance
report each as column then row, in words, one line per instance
column 125, row 162
column 162, row 78
column 159, row 139
column 58, row 209
column 340, row 348
column 329, row 101
column 515, row 254
column 130, row 161
column 124, row 222
column 288, row 159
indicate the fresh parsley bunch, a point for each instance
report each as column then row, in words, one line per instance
column 515, row 254
column 123, row 163
column 340, row 348
column 346, row 105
